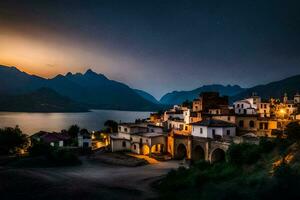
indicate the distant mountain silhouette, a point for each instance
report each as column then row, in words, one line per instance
column 42, row 100
column 91, row 89
column 275, row 89
column 177, row 97
column 147, row 96
column 14, row 81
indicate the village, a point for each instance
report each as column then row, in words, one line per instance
column 199, row 130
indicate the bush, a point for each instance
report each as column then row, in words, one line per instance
column 40, row 149
column 11, row 139
column 293, row 131
column 244, row 153
column 63, row 157
column 266, row 145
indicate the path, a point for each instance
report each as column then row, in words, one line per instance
column 89, row 181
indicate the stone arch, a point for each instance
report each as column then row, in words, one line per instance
column 217, row 155
column 198, row 153
column 157, row 148
column 145, row 149
column 181, row 151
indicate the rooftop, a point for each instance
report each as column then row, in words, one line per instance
column 213, row 123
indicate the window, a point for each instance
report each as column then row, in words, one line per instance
column 119, row 128
column 261, row 105
column 228, row 118
column 130, row 138
column 245, row 111
column 125, row 129
column 214, row 133
column 201, row 130
column 265, row 106
column 186, row 128
column 134, row 147
column 266, row 126
column 238, row 105
column 141, row 140
column 251, row 124
column 261, row 125
column 123, row 144
column 241, row 123
column 181, row 126
column 227, row 132
column 242, row 105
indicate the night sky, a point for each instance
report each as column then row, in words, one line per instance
column 157, row 46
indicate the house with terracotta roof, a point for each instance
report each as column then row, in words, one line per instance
column 53, row 139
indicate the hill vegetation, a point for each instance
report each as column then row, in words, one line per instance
column 269, row 170
column 41, row 100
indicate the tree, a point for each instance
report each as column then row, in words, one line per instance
column 112, row 125
column 243, row 153
column 11, row 139
column 73, row 131
column 293, row 131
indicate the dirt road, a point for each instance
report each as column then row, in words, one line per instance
column 91, row 180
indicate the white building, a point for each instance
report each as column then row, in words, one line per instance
column 245, row 107
column 264, row 109
column 84, row 141
column 139, row 138
column 177, row 112
column 213, row 129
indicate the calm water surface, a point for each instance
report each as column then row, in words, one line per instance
column 33, row 122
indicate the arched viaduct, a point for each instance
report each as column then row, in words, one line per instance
column 196, row 148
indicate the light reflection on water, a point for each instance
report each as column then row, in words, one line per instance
column 33, row 122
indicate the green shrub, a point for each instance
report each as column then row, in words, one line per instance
column 266, row 145
column 40, row 149
column 11, row 139
column 63, row 157
column 244, row 153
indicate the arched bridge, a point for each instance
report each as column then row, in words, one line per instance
column 196, row 148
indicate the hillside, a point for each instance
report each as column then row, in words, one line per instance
column 41, row 100
column 147, row 96
column 177, row 97
column 269, row 170
column 275, row 89
column 91, row 89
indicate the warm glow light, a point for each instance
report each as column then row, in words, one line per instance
column 282, row 111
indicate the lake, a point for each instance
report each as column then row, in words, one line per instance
column 33, row 122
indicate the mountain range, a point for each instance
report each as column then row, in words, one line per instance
column 41, row 100
column 91, row 90
column 276, row 89
column 78, row 92
column 177, row 97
